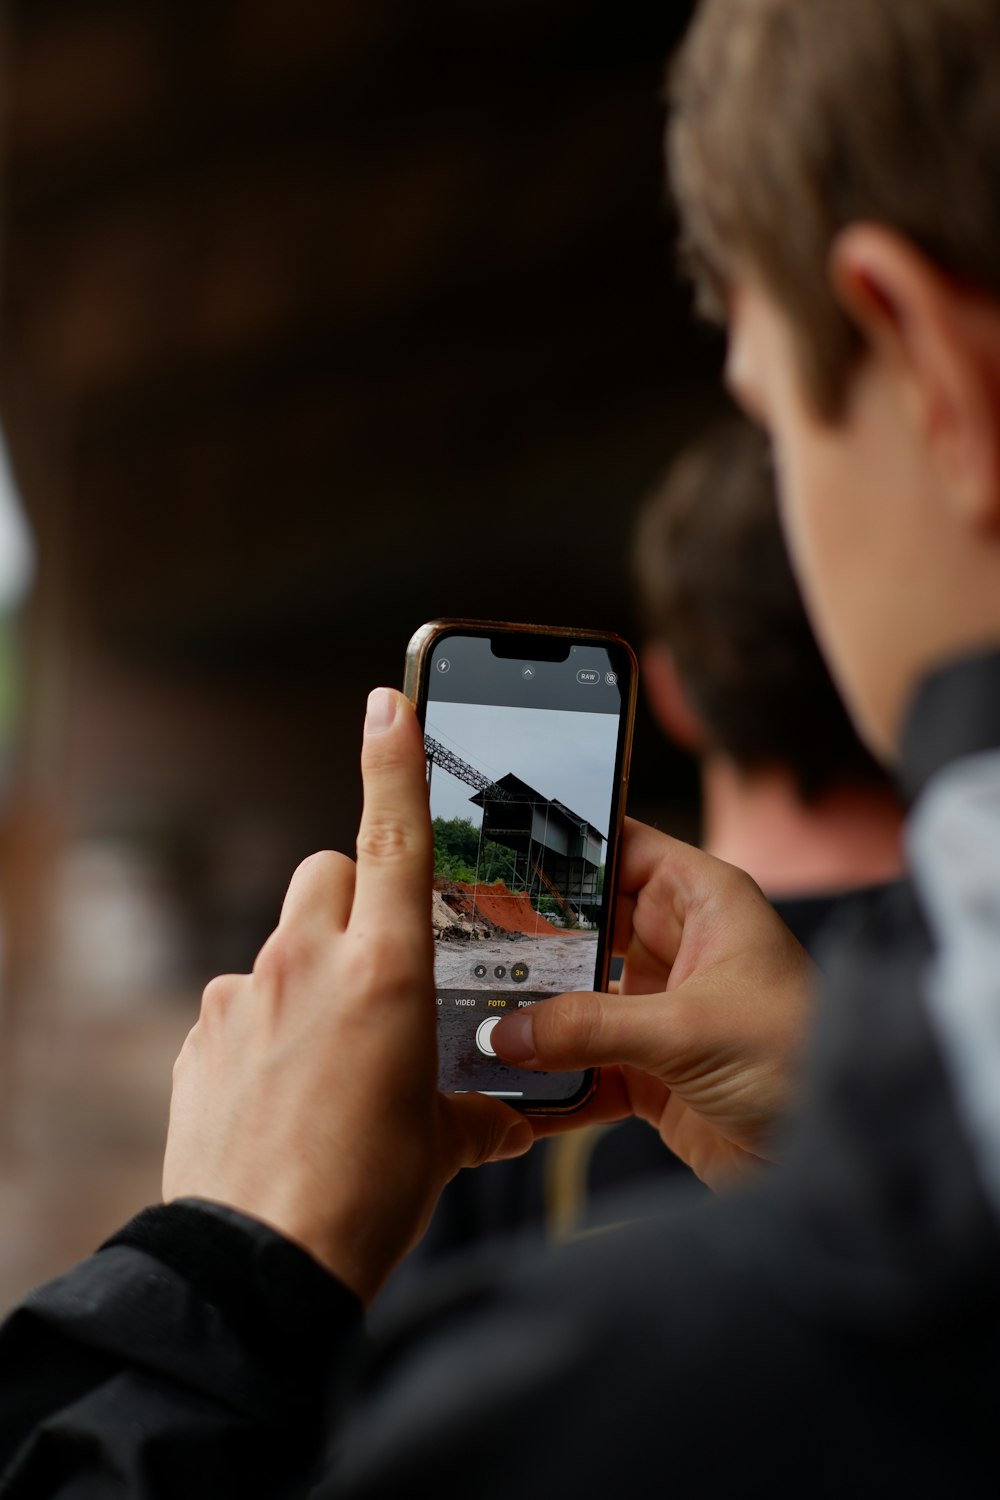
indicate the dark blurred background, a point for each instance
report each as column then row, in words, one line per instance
column 317, row 320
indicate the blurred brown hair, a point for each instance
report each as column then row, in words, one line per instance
column 794, row 118
column 716, row 588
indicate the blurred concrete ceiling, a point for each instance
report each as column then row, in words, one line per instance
column 355, row 311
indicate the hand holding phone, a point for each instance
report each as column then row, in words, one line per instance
column 709, row 1023
column 527, row 732
column 306, row 1094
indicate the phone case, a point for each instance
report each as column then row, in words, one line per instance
column 415, row 687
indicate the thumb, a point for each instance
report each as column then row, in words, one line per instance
column 577, row 1031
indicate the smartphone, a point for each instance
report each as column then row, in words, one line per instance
column 527, row 731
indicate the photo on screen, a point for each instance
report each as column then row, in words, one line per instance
column 520, row 801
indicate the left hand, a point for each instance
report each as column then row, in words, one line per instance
column 306, row 1094
column 704, row 1037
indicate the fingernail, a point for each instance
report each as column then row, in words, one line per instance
column 514, row 1039
column 381, row 710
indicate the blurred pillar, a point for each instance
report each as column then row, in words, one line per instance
column 34, row 812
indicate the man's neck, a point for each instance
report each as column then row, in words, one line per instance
column 847, row 839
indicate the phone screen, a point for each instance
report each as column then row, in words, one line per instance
column 525, row 759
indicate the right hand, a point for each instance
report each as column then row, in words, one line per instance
column 306, row 1094
column 703, row 1038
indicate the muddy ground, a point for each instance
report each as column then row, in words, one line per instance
column 555, row 963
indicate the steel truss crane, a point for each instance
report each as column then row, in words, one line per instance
column 439, row 755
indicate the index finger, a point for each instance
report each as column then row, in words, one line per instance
column 652, row 868
column 395, row 845
column 646, row 852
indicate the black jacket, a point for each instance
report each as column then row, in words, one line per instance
column 833, row 1331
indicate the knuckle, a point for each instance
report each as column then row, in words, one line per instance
column 568, row 1027
column 217, row 994
column 313, row 880
column 384, row 755
column 736, row 884
column 387, row 840
column 318, row 864
column 277, row 959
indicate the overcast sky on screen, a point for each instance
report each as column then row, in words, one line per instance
column 569, row 756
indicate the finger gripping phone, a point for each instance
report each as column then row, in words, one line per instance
column 527, row 733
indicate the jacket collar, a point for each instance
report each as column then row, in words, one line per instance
column 955, row 712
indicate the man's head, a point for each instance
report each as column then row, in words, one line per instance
column 730, row 662
column 835, row 164
column 793, row 119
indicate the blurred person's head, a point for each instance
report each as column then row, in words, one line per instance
column 836, row 166
column 730, row 663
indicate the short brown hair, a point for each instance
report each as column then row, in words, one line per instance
column 791, row 119
column 715, row 586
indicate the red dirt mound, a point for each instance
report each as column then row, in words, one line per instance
column 512, row 913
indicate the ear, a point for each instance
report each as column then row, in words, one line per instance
column 940, row 341
column 667, row 701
